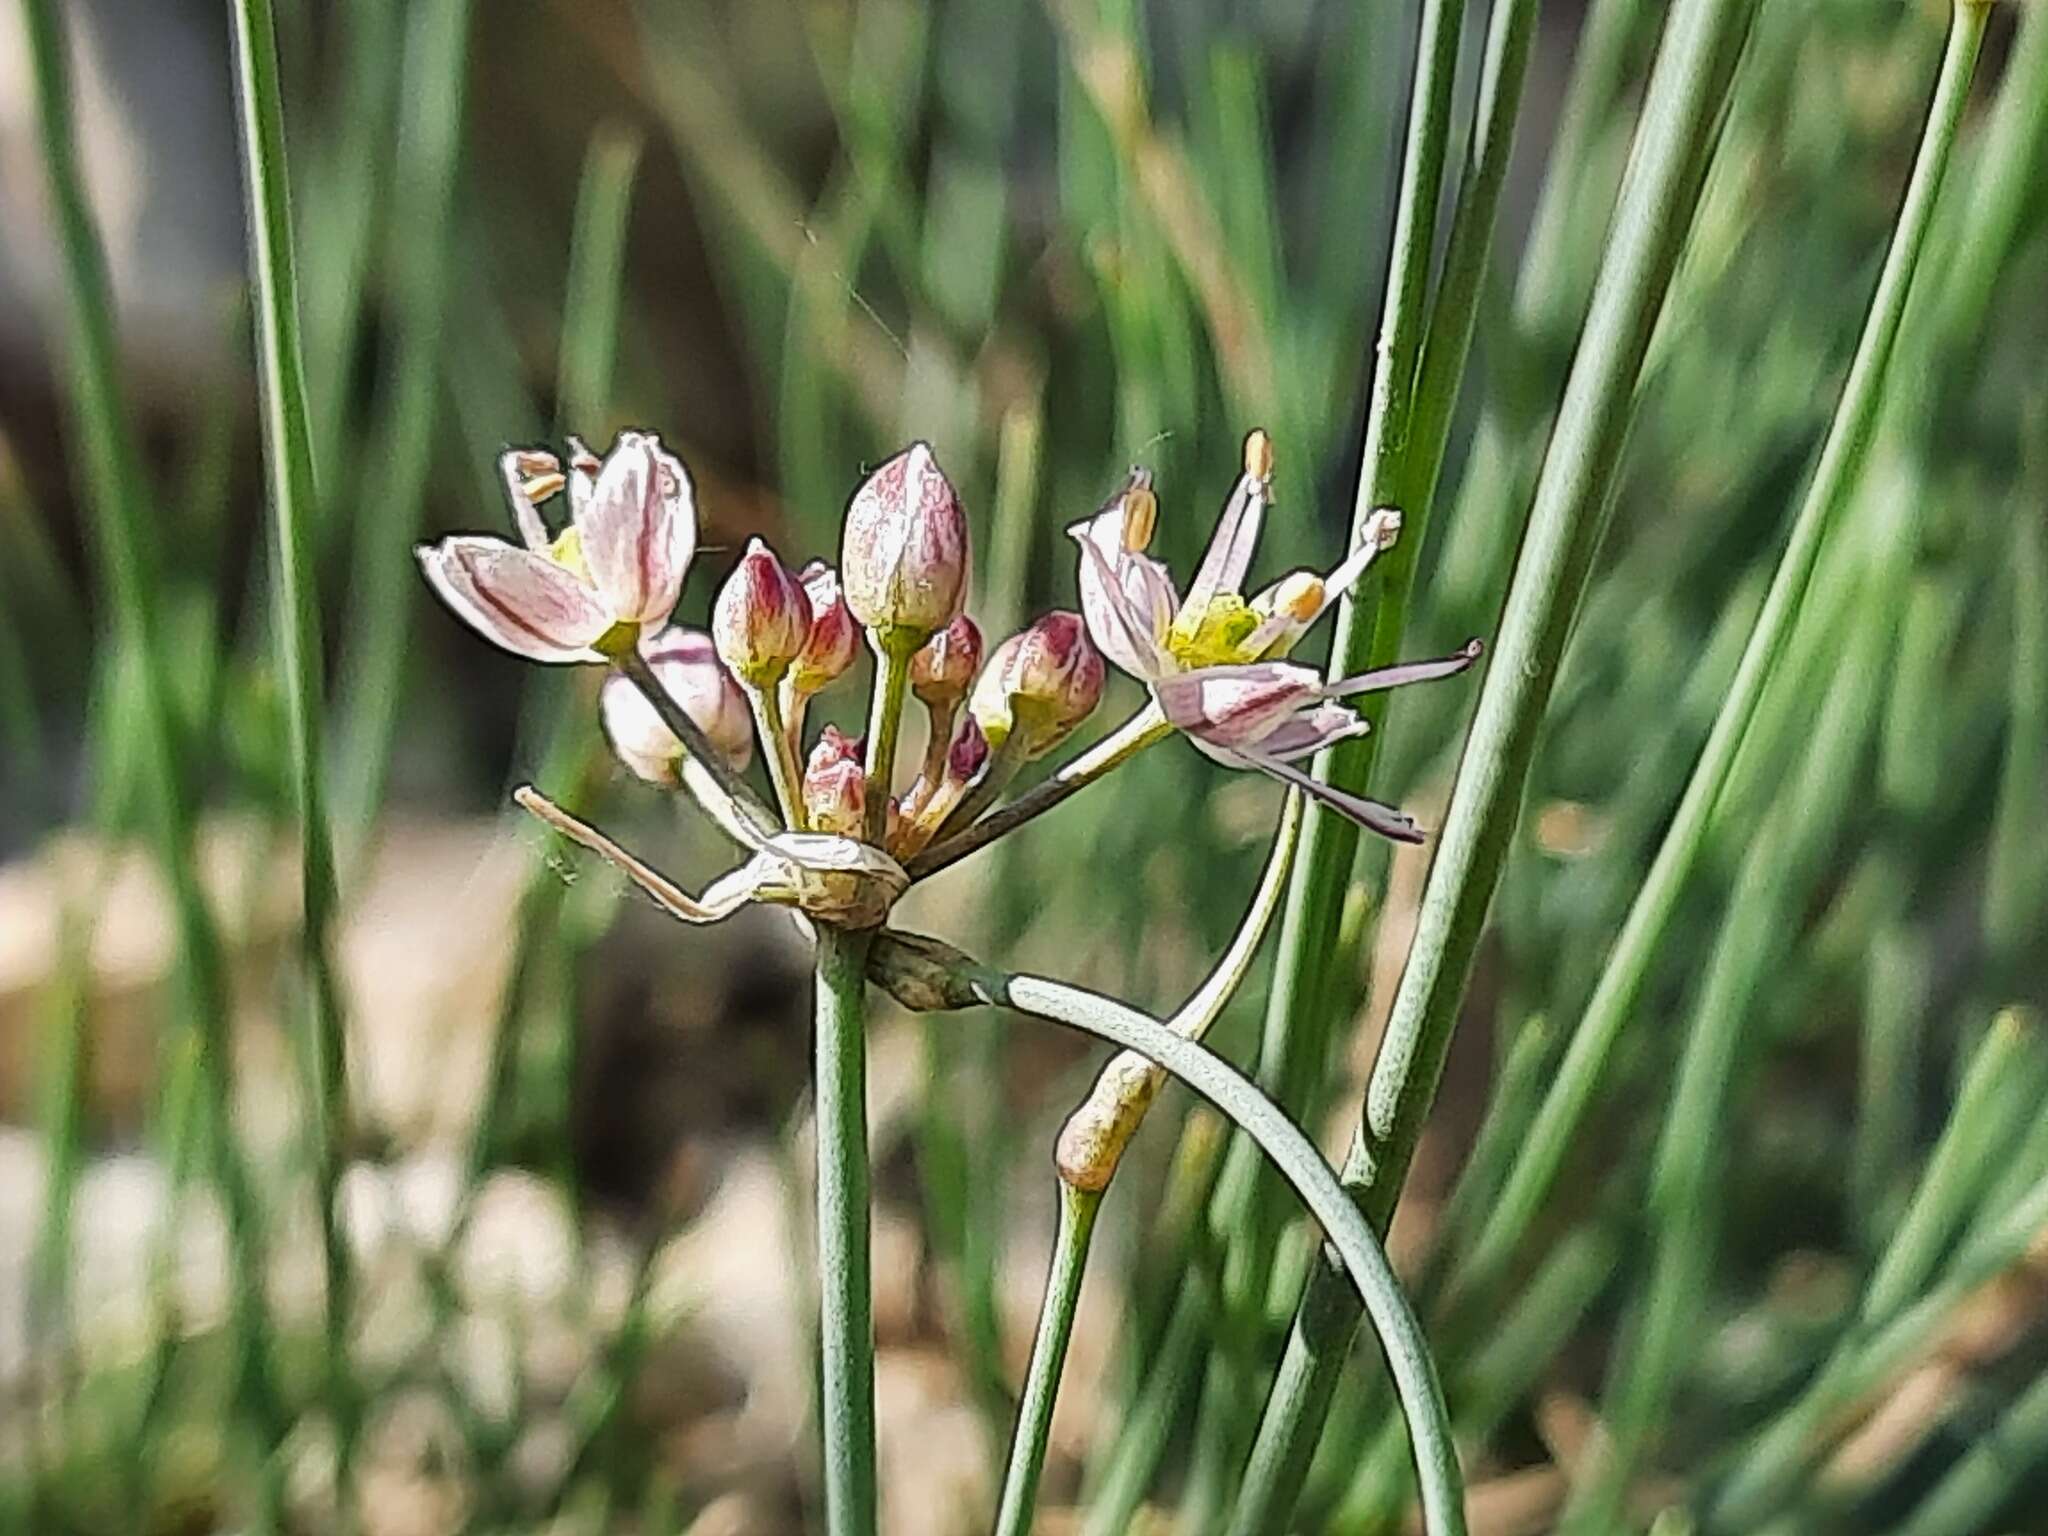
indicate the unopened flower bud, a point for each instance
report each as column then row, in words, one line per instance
column 943, row 671
column 834, row 639
column 969, row 751
column 762, row 618
column 904, row 556
column 1040, row 683
column 688, row 667
column 835, row 785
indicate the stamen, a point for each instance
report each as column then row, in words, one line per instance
column 1258, row 454
column 1141, row 513
column 1299, row 596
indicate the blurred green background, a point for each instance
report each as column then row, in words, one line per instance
column 1053, row 240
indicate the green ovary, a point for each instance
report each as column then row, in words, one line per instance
column 1218, row 638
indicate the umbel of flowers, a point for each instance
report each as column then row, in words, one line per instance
column 843, row 833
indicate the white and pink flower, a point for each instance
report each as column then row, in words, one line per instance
column 1213, row 660
column 586, row 593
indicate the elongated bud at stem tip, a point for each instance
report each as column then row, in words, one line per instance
column 903, row 556
column 833, row 641
column 1043, row 681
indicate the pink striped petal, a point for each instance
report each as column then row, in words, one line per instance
column 516, row 599
column 638, row 530
column 1389, row 821
column 1126, row 599
column 1231, row 547
column 1235, row 706
column 1307, row 733
column 1408, row 672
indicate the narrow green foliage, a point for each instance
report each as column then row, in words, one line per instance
column 287, row 435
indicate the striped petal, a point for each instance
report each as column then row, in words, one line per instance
column 1389, row 821
column 516, row 599
column 1127, row 599
column 638, row 530
column 1236, row 706
column 1407, row 672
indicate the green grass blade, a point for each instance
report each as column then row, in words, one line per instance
column 287, row 437
column 1650, row 914
column 116, row 493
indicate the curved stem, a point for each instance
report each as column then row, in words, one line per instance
column 846, row 1325
column 743, row 804
column 1842, row 457
column 948, row 979
column 1143, row 729
column 1048, row 1358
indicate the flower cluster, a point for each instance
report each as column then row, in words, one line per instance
column 685, row 708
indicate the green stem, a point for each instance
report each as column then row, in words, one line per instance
column 885, row 727
column 780, row 751
column 1842, row 458
column 386, row 498
column 1078, row 1208
column 948, row 979
column 846, row 1333
column 130, row 568
column 294, row 505
column 1114, row 750
column 1415, row 394
column 730, row 801
column 1702, row 42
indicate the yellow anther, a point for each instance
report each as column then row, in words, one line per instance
column 1258, row 455
column 1299, row 596
column 1141, row 516
column 539, row 487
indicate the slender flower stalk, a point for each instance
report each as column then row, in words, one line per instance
column 1089, row 1150
column 1078, row 1208
column 1144, row 729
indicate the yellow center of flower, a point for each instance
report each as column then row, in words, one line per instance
column 567, row 552
column 1217, row 638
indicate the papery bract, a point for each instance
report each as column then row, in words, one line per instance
column 587, row 593
column 688, row 667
